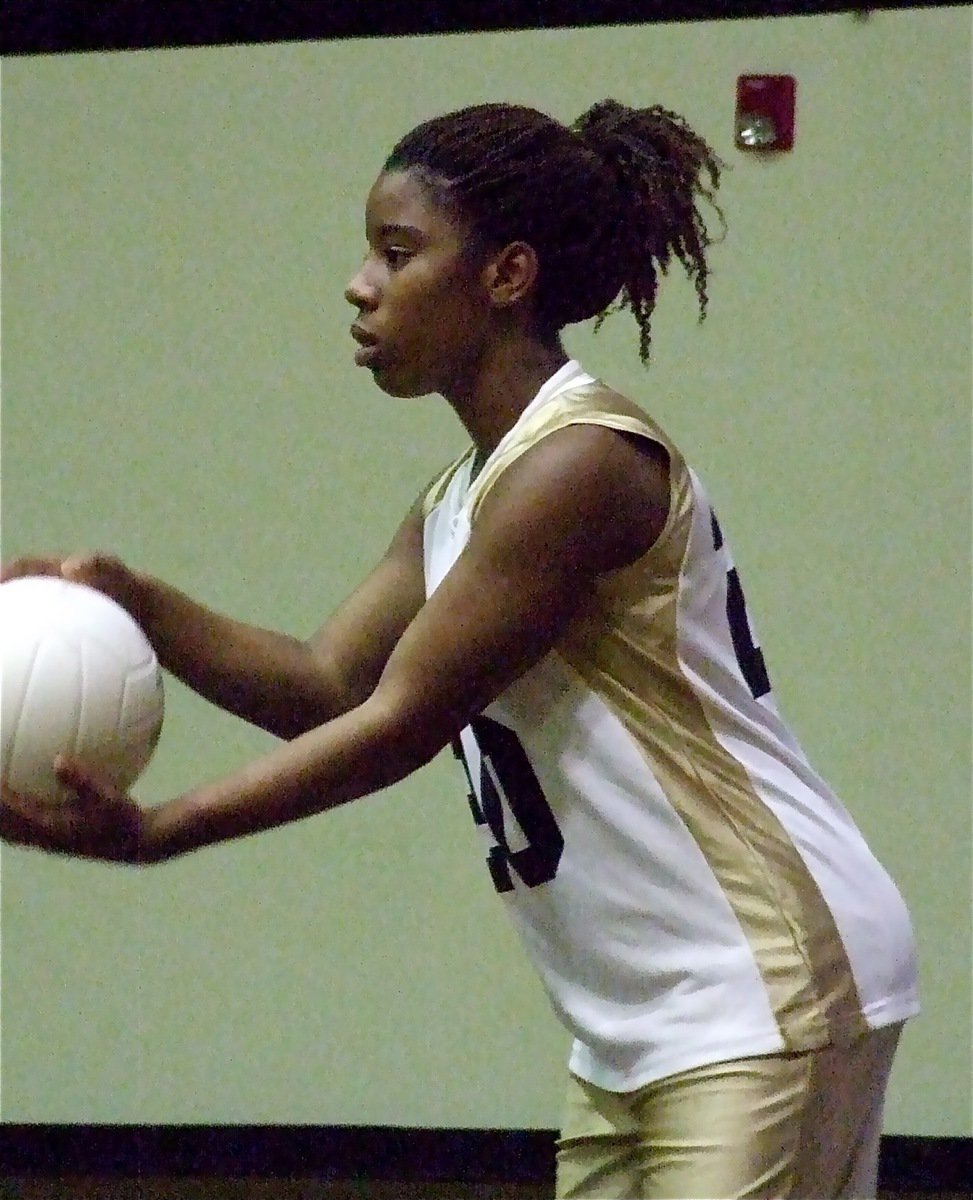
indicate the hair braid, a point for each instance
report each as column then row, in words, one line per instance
column 605, row 203
column 661, row 165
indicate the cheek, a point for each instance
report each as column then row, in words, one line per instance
column 441, row 326
column 458, row 316
column 439, row 319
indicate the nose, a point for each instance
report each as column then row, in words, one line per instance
column 361, row 291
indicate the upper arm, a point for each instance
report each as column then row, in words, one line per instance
column 583, row 502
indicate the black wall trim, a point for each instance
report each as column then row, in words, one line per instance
column 54, row 26
column 909, row 1164
column 279, row 1151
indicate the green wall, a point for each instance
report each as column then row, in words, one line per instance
column 177, row 386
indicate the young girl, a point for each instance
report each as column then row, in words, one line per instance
column 561, row 607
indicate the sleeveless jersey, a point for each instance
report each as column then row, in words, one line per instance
column 687, row 887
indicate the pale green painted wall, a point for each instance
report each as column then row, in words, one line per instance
column 177, row 386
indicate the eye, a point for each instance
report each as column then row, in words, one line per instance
column 397, row 256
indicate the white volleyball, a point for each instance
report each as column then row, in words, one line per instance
column 77, row 676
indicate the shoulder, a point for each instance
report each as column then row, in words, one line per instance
column 591, row 404
column 584, row 490
column 594, row 402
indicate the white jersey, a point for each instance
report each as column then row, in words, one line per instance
column 688, row 888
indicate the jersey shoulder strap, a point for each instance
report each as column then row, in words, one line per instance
column 440, row 485
column 589, row 404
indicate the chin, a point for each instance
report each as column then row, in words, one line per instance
column 401, row 387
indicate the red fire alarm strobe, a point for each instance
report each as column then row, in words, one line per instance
column 765, row 112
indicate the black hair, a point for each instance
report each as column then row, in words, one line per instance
column 605, row 202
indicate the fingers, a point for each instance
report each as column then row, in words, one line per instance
column 81, row 568
column 94, row 819
column 88, row 786
column 31, row 821
column 21, row 567
column 93, row 568
column 102, row 571
column 98, row 570
column 75, row 776
column 15, row 825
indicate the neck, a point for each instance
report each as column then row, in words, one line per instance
column 508, row 378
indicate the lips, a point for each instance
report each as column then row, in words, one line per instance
column 367, row 345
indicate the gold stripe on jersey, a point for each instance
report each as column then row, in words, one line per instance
column 439, row 486
column 788, row 925
column 593, row 404
column 624, row 647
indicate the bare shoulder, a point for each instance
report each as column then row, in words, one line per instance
column 587, row 492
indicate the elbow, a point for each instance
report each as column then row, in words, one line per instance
column 409, row 737
column 309, row 698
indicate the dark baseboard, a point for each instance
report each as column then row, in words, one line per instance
column 915, row 1165
column 926, row 1164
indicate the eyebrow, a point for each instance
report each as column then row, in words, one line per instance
column 390, row 229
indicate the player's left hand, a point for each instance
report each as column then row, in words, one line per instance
column 95, row 820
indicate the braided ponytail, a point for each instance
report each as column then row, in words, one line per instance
column 605, row 203
column 661, row 166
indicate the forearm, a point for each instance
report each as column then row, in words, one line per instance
column 269, row 679
column 358, row 753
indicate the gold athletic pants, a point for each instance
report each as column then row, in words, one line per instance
column 783, row 1126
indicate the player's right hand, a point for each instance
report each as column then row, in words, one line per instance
column 95, row 820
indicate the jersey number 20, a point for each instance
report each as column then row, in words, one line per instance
column 748, row 653
column 508, row 784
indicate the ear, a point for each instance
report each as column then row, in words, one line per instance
column 511, row 274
